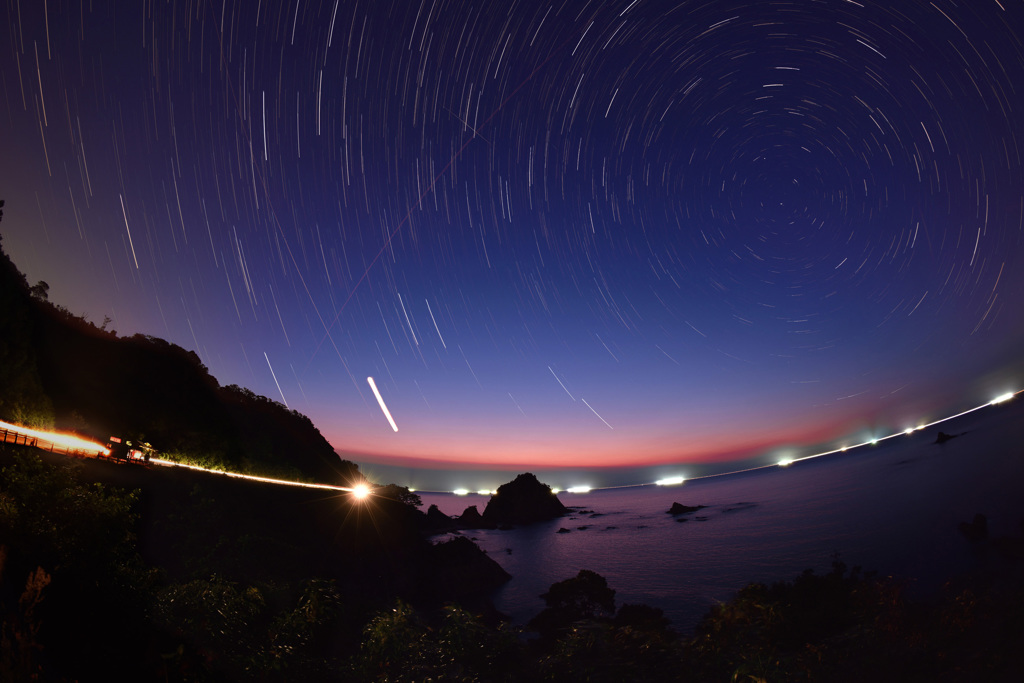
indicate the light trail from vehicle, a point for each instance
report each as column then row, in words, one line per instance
column 68, row 442
column 362, row 489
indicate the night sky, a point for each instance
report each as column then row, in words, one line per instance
column 578, row 234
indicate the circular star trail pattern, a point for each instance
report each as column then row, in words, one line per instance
column 574, row 234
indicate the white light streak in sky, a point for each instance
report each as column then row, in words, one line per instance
column 595, row 413
column 129, row 231
column 435, row 324
column 387, row 413
column 272, row 374
column 563, row 386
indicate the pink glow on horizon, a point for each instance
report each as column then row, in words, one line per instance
column 631, row 448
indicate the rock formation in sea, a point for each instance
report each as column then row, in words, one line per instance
column 680, row 509
column 524, row 500
column 471, row 519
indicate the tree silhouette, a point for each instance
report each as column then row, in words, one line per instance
column 40, row 290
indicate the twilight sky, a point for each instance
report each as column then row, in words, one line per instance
column 568, row 234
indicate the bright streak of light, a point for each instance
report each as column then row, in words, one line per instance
column 129, row 230
column 560, row 383
column 435, row 324
column 360, row 491
column 578, row 489
column 387, row 413
column 250, row 477
column 67, row 441
column 908, row 431
column 461, row 492
column 785, row 462
column 1002, row 398
column 595, row 413
column 485, row 492
column 272, row 374
column 670, row 481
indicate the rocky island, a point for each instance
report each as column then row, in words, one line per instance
column 524, row 500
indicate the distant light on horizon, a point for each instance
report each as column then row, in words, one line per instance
column 670, row 481
column 461, row 492
column 785, row 462
column 578, row 489
column 1002, row 398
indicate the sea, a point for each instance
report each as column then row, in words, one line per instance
column 893, row 508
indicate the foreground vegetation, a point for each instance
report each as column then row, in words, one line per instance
column 84, row 596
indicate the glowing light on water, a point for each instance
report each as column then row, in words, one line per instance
column 461, row 492
column 670, row 481
column 785, row 462
column 485, row 492
column 578, row 489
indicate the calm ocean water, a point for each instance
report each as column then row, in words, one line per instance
column 893, row 508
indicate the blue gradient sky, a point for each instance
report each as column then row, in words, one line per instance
column 586, row 235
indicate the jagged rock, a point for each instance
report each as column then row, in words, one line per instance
column 471, row 519
column 523, row 500
column 436, row 518
column 680, row 509
column 943, row 437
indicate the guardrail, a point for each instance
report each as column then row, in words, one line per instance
column 49, row 441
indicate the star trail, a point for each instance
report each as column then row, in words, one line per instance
column 569, row 234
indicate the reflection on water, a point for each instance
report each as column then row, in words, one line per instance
column 893, row 508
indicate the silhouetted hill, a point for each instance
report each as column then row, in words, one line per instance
column 22, row 398
column 59, row 369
